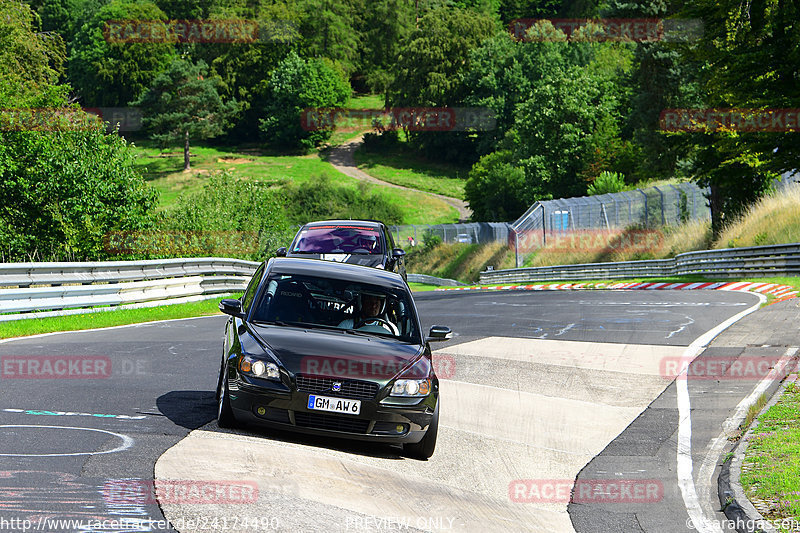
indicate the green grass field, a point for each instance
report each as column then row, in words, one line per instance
column 401, row 167
column 163, row 169
column 771, row 469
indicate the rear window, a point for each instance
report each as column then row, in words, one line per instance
column 338, row 240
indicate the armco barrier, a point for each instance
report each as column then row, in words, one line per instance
column 775, row 260
column 431, row 280
column 26, row 287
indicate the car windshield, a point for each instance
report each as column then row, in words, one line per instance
column 316, row 302
column 338, row 240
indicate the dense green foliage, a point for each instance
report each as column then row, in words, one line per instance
column 320, row 198
column 63, row 185
column 183, row 104
column 606, row 183
column 236, row 218
column 297, row 84
column 108, row 71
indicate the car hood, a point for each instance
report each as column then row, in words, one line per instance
column 370, row 260
column 337, row 354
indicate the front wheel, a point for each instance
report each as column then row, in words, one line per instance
column 224, row 411
column 424, row 449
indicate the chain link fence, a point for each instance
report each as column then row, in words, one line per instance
column 657, row 206
column 470, row 233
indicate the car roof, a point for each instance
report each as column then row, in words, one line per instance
column 356, row 223
column 342, row 271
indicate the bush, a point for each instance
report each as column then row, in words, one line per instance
column 320, row 199
column 380, row 142
column 63, row 191
column 606, row 183
column 297, row 84
column 230, row 217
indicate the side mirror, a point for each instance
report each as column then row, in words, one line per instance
column 439, row 333
column 281, row 252
column 231, row 307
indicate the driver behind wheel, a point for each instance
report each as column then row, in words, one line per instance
column 372, row 315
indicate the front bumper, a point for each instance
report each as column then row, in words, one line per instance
column 288, row 410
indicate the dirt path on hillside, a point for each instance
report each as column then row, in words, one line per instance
column 341, row 157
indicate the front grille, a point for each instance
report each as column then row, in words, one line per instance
column 350, row 388
column 331, row 422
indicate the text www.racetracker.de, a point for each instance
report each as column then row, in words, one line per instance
column 129, row 525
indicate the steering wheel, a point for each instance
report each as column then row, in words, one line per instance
column 384, row 323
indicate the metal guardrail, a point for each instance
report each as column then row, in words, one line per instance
column 28, row 287
column 774, row 260
column 432, row 280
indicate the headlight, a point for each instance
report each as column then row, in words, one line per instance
column 258, row 368
column 411, row 387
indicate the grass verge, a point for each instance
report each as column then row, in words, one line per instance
column 105, row 319
column 771, row 468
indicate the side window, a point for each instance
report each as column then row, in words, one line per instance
column 250, row 292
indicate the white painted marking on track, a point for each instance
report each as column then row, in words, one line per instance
column 127, row 442
column 684, row 448
column 566, row 329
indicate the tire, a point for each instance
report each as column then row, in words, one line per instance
column 225, row 417
column 423, row 449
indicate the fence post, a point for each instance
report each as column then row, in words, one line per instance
column 646, row 221
column 661, row 194
column 516, row 248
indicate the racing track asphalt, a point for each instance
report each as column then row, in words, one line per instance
column 541, row 383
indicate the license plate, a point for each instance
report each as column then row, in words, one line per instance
column 334, row 405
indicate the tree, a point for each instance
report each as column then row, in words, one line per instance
column 749, row 54
column 564, row 124
column 386, row 24
column 330, row 30
column 433, row 57
column 493, row 188
column 182, row 104
column 109, row 70
column 30, row 62
column 244, row 68
column 297, row 84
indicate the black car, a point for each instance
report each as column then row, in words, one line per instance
column 333, row 349
column 360, row 242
